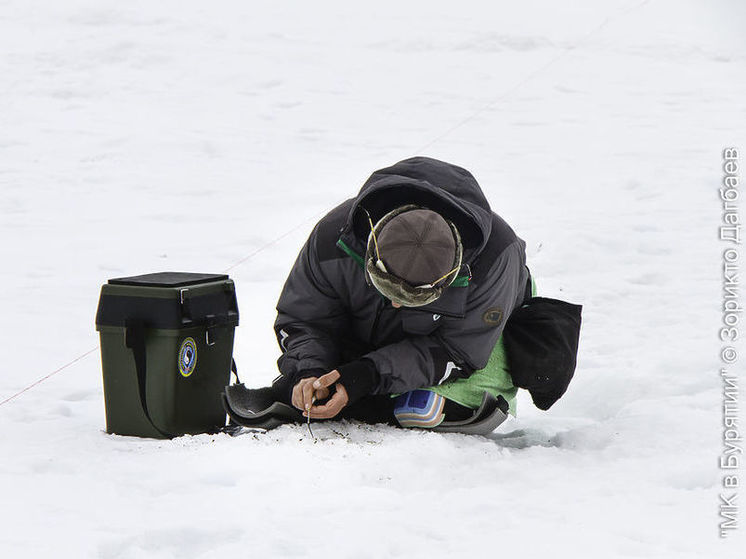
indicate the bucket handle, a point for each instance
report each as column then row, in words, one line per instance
column 134, row 339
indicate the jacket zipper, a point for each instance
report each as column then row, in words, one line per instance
column 379, row 312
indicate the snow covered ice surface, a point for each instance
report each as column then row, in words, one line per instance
column 149, row 136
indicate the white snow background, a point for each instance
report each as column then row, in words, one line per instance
column 140, row 136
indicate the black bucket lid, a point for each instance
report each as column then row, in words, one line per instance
column 168, row 279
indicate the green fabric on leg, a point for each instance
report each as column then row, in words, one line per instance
column 494, row 378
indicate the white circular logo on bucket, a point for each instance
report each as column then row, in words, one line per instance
column 187, row 357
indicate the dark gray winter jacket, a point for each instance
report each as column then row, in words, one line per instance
column 330, row 318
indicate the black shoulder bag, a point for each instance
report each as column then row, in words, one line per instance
column 541, row 342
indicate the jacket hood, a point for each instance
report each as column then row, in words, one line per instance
column 451, row 191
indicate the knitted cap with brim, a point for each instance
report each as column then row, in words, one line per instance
column 420, row 253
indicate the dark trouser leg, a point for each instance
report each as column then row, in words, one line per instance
column 371, row 409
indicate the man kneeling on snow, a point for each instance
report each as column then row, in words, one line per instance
column 412, row 304
column 403, row 290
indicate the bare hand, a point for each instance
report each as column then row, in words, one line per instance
column 304, row 394
column 338, row 401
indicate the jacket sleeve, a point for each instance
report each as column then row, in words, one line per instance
column 310, row 318
column 459, row 346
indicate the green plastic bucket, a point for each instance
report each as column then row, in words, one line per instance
column 166, row 352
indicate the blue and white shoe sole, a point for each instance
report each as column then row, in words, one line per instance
column 424, row 418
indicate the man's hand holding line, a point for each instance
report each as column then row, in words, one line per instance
column 312, row 389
